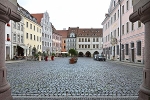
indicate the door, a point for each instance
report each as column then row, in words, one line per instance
column 132, row 54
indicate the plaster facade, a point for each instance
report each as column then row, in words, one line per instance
column 56, row 42
column 32, row 33
column 8, row 40
column 44, row 21
column 122, row 39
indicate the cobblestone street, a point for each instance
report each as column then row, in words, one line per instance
column 85, row 78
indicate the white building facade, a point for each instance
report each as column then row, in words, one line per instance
column 8, row 41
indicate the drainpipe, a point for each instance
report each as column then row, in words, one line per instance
column 119, row 1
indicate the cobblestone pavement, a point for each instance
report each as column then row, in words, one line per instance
column 85, row 78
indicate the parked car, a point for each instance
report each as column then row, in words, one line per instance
column 100, row 57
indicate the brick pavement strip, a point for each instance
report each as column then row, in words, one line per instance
column 85, row 78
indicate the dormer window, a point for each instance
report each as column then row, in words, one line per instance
column 72, row 34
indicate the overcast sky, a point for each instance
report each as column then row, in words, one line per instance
column 70, row 13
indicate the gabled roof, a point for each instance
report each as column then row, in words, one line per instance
column 38, row 16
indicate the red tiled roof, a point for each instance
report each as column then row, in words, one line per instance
column 63, row 33
column 38, row 16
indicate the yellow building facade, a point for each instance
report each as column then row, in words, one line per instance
column 32, row 36
column 32, row 33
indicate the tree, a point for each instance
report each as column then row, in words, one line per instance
column 73, row 52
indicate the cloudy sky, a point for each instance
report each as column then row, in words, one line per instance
column 70, row 13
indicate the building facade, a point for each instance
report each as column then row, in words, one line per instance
column 63, row 33
column 71, row 38
column 18, row 46
column 56, row 42
column 89, row 41
column 32, row 33
column 44, row 20
column 8, row 40
column 122, row 40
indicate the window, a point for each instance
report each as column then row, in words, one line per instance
column 127, row 26
column 139, row 48
column 18, row 38
column 37, row 29
column 79, row 46
column 82, row 40
column 15, row 25
column 27, row 24
column 118, row 13
column 127, row 4
column 42, row 43
column 82, row 46
column 14, row 38
column 79, row 39
column 18, row 26
column 93, row 39
column 31, row 36
column 97, row 46
column 34, row 28
column 132, row 27
column 118, row 31
column 85, row 46
column 114, row 3
column 139, row 24
column 88, row 46
column 37, row 38
column 122, row 46
column 88, row 39
column 127, row 49
column 34, row 37
column 114, row 33
column 30, row 26
column 132, row 45
column 114, row 16
column 111, row 20
column 122, row 29
column 85, row 39
column 21, row 39
column 21, row 27
column 117, row 49
column 123, row 9
column 96, row 39
column 93, row 45
column 64, row 41
column 26, row 35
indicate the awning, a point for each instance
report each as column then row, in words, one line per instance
column 24, row 47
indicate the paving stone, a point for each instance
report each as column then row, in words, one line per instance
column 86, row 77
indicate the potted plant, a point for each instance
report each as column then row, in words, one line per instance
column 39, row 53
column 52, row 57
column 73, row 54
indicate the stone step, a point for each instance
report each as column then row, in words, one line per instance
column 75, row 98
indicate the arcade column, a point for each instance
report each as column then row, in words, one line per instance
column 8, row 11
column 141, row 11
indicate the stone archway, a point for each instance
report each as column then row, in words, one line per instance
column 96, row 52
column 88, row 54
column 81, row 54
